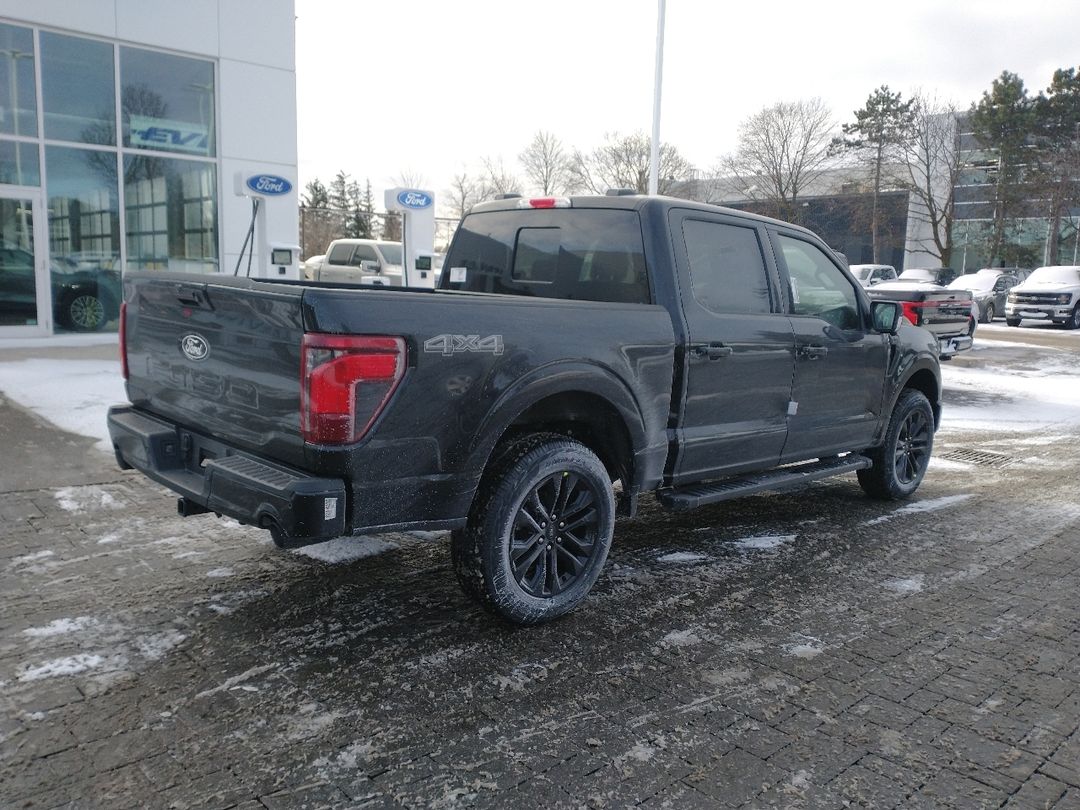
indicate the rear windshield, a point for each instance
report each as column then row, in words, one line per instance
column 578, row 254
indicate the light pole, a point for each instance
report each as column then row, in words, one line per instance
column 654, row 158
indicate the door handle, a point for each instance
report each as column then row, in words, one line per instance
column 712, row 351
column 812, row 352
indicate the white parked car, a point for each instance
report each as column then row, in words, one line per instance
column 870, row 275
column 1050, row 293
column 358, row 261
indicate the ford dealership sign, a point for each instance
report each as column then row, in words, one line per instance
column 413, row 199
column 269, row 185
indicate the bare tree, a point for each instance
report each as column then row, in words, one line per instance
column 497, row 179
column 933, row 161
column 623, row 162
column 781, row 150
column 410, row 178
column 463, row 194
column 547, row 164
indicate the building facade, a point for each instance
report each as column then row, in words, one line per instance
column 126, row 129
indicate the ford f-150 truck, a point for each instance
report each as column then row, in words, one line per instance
column 579, row 353
column 950, row 315
column 1048, row 294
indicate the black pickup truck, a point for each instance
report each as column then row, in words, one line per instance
column 579, row 353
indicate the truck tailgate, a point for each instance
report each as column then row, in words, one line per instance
column 218, row 355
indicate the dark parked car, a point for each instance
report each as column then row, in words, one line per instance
column 85, row 299
column 989, row 288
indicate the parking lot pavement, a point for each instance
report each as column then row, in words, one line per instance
column 800, row 650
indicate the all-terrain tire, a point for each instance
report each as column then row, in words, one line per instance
column 901, row 461
column 514, row 557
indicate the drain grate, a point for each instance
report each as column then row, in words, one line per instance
column 985, row 458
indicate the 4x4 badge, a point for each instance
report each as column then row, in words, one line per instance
column 194, row 347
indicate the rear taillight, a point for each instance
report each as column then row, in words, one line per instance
column 123, row 339
column 911, row 311
column 345, row 382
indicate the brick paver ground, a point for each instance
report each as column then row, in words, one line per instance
column 814, row 649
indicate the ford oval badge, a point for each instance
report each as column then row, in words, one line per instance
column 414, row 199
column 194, row 347
column 269, row 184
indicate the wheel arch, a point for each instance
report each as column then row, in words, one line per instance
column 582, row 401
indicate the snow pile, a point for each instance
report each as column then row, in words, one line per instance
column 763, row 542
column 905, row 586
column 69, row 665
column 682, row 557
column 60, row 627
column 346, row 549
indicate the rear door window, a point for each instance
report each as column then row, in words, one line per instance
column 576, row 254
column 727, row 270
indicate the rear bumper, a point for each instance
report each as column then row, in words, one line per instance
column 297, row 508
column 950, row 346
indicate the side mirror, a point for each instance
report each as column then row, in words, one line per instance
column 369, row 266
column 885, row 316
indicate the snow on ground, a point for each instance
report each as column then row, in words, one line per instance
column 72, row 394
column 904, row 586
column 682, row 557
column 931, row 505
column 346, row 549
column 1025, row 397
column 763, row 542
column 69, row 665
column 59, row 627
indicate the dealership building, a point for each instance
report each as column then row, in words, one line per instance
column 130, row 134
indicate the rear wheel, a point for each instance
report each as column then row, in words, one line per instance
column 901, row 462
column 1074, row 319
column 539, row 531
column 988, row 313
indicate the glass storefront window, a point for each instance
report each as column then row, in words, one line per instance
column 19, row 163
column 18, row 279
column 170, row 211
column 84, row 237
column 167, row 102
column 78, row 89
column 18, row 96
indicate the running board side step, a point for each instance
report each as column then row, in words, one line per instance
column 680, row 499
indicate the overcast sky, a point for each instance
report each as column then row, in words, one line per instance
column 429, row 87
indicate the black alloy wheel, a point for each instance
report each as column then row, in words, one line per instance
column 539, row 529
column 554, row 535
column 913, row 444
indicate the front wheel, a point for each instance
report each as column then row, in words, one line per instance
column 85, row 312
column 539, row 531
column 1074, row 319
column 1012, row 321
column 988, row 313
column 900, row 463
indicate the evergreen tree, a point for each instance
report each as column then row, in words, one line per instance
column 1057, row 139
column 877, row 138
column 1003, row 122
